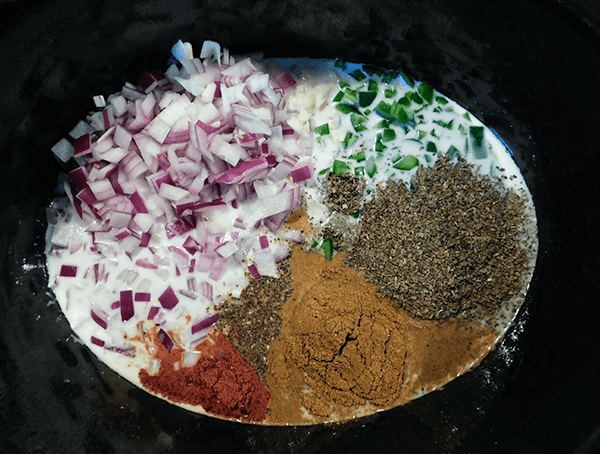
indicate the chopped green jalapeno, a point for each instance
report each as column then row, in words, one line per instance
column 407, row 163
column 327, row 247
column 322, row 129
column 340, row 167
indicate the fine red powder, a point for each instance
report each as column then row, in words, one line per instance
column 220, row 381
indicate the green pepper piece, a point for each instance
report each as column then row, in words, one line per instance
column 360, row 156
column 431, row 147
column 409, row 81
column 452, row 151
column 327, row 247
column 426, row 91
column 365, row 98
column 388, row 134
column 340, row 167
column 358, row 121
column 371, row 167
column 477, row 142
column 349, row 139
column 345, row 108
column 407, row 163
column 322, row 129
column 358, row 75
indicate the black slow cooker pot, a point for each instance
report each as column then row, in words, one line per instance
column 528, row 69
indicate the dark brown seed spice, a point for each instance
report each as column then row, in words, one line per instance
column 253, row 320
column 344, row 192
column 451, row 246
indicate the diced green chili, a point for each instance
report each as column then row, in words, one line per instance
column 407, row 163
column 358, row 75
column 345, row 108
column 340, row 167
column 327, row 247
column 441, row 100
column 409, row 81
column 431, row 147
column 413, row 96
column 322, row 129
column 388, row 134
column 365, row 98
column 426, row 91
column 452, row 151
column 477, row 142
column 349, row 139
column 360, row 156
column 371, row 167
column 358, row 121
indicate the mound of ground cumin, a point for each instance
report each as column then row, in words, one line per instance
column 451, row 245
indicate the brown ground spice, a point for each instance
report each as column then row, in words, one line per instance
column 452, row 245
column 344, row 350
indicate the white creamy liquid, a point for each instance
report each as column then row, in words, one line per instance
column 69, row 243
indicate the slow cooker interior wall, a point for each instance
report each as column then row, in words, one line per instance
column 517, row 65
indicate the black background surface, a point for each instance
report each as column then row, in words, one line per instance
column 528, row 69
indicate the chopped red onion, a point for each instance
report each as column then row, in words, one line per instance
column 99, row 316
column 68, row 271
column 264, row 241
column 301, row 174
column 254, row 271
column 203, row 324
column 166, row 340
column 126, row 305
column 152, row 312
column 98, row 342
column 168, row 299
column 142, row 296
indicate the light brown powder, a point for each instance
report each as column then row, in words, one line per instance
column 344, row 350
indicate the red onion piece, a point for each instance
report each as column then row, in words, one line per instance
column 203, row 324
column 142, row 296
column 168, row 299
column 99, row 316
column 152, row 312
column 166, row 340
column 245, row 171
column 264, row 241
column 98, row 342
column 254, row 271
column 68, row 271
column 126, row 305
column 301, row 174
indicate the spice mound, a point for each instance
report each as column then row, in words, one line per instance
column 452, row 245
column 220, row 380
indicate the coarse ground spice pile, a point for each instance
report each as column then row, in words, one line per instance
column 252, row 321
column 344, row 192
column 452, row 245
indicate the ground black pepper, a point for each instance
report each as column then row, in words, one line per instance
column 253, row 321
column 451, row 245
column 344, row 192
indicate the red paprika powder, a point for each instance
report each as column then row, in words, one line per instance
column 220, row 381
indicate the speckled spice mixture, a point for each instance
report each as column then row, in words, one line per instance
column 252, row 321
column 453, row 245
